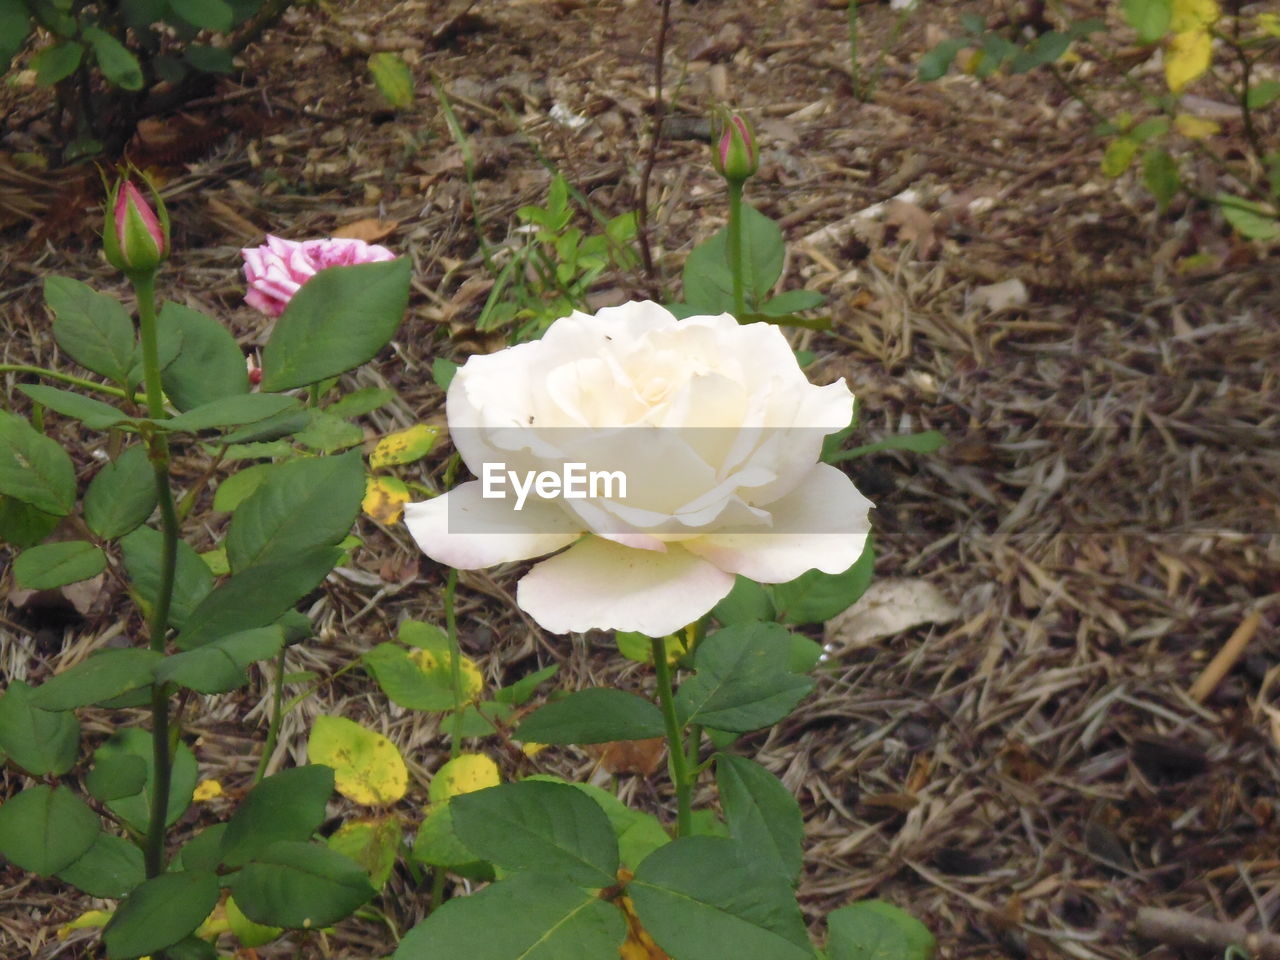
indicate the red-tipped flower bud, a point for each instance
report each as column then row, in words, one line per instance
column 136, row 239
column 734, row 153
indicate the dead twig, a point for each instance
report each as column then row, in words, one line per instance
column 1176, row 928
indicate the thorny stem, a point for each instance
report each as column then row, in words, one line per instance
column 158, row 453
column 651, row 157
column 677, row 760
column 735, row 248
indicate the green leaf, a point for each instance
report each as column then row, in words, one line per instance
column 639, row 834
column 91, row 328
column 1046, row 48
column 135, row 810
column 210, row 59
column 101, row 677
column 708, row 279
column 1150, row 18
column 875, row 930
column 519, row 693
column 1251, row 220
column 191, row 948
column 747, row 602
column 1118, row 156
column 288, row 806
column 249, row 934
column 374, row 844
column 22, row 525
column 122, row 495
column 57, row 62
column 220, row 666
column 160, row 912
column 14, row 26
column 359, row 402
column 272, row 428
column 743, row 681
column 56, row 564
column 204, row 850
column 761, row 813
column 326, row 433
column 816, row 597
column 211, row 14
column 257, row 596
column 118, row 65
column 34, row 469
column 299, row 505
column 142, row 550
column 38, row 741
column 442, row 371
column 234, row 490
column 927, row 441
column 406, row 682
column 94, row 414
column 935, row 64
column 1263, row 94
column 44, row 830
column 792, row 301
column 229, row 412
column 209, row 365
column 437, row 843
column 1160, row 174
column 393, row 79
column 707, row 898
column 110, row 868
column 534, row 825
column 300, row 885
column 316, row 336
column 528, row 917
column 115, row 774
column 595, row 715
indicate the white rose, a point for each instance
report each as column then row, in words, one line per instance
column 717, row 432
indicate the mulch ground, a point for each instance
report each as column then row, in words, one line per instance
column 1023, row 779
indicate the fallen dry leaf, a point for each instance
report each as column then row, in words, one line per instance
column 889, row 606
column 370, row 229
column 995, row 297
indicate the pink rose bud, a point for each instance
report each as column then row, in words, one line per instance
column 734, row 153
column 136, row 239
column 278, row 269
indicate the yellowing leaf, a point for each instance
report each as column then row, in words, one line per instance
column 1119, row 156
column 465, row 773
column 440, row 663
column 1193, row 15
column 373, row 844
column 206, row 790
column 214, row 925
column 1269, row 23
column 393, row 78
column 249, row 933
column 404, row 446
column 1188, row 56
column 533, row 749
column 86, row 920
column 1197, row 128
column 384, row 499
column 367, row 767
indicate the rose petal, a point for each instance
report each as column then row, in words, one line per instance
column 820, row 525
column 467, row 531
column 600, row 585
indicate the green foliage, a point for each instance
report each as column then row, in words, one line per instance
column 102, row 677
column 220, row 665
column 299, row 885
column 596, row 715
column 121, row 495
column 110, row 868
column 315, row 337
column 34, row 469
column 160, row 912
column 46, row 829
column 55, row 564
column 393, row 78
column 875, row 930
column 286, row 807
column 548, row 827
column 706, row 898
column 565, row 261
column 743, row 680
column 815, row 597
column 91, row 328
column 762, row 814
column 209, row 365
column 142, row 553
column 38, row 741
column 135, row 809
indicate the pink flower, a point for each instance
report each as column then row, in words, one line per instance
column 278, row 269
column 136, row 239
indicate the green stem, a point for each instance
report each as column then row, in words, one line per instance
column 455, row 662
column 158, row 453
column 677, row 760
column 735, row 248
column 80, row 382
column 277, row 711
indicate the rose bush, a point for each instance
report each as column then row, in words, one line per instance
column 276, row 270
column 718, row 433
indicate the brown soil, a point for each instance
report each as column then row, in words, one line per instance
column 1105, row 515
